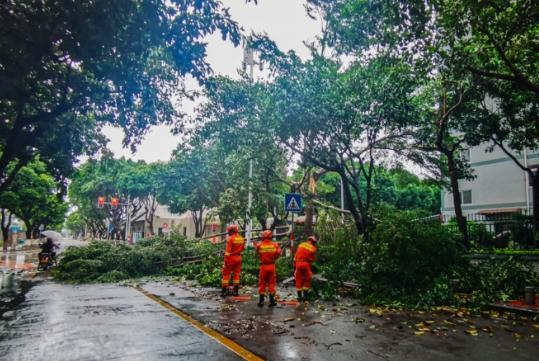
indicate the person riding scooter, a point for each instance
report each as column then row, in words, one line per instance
column 47, row 248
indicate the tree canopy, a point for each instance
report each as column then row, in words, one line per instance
column 68, row 68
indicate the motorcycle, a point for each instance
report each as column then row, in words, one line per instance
column 46, row 261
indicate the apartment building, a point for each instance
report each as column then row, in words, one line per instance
column 499, row 187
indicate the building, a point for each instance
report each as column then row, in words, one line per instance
column 165, row 221
column 499, row 187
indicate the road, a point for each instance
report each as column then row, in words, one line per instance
column 41, row 319
column 44, row 320
column 99, row 322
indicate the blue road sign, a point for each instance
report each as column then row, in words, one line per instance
column 292, row 202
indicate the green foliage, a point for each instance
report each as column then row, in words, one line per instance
column 192, row 181
column 413, row 263
column 75, row 223
column 104, row 62
column 509, row 252
column 34, row 196
column 174, row 256
column 103, row 261
column 208, row 272
column 109, row 177
column 236, row 119
column 394, row 186
column 496, row 279
column 406, row 256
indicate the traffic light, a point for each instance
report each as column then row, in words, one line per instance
column 100, row 202
column 114, row 202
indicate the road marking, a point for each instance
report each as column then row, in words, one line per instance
column 223, row 340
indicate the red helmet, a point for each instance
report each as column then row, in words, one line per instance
column 312, row 239
column 267, row 234
column 233, row 228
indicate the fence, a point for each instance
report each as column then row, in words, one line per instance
column 498, row 230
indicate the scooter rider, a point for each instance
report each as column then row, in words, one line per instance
column 48, row 247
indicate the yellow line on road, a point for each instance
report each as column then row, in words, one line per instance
column 223, row 340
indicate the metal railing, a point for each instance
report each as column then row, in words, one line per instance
column 497, row 230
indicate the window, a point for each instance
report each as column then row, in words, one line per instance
column 465, row 155
column 466, row 197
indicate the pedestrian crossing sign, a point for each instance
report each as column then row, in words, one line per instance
column 292, row 202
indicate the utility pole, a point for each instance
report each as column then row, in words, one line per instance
column 128, row 220
column 249, row 61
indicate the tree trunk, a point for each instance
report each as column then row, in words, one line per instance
column 348, row 200
column 308, row 227
column 263, row 222
column 150, row 214
column 198, row 223
column 457, row 202
column 534, row 177
column 5, row 229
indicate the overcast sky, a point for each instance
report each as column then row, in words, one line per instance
column 285, row 21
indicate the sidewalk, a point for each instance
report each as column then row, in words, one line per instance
column 518, row 306
column 346, row 331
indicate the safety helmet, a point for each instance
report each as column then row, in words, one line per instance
column 267, row 234
column 233, row 228
column 312, row 239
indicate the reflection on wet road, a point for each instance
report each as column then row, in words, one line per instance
column 99, row 322
column 18, row 261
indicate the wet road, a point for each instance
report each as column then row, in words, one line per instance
column 99, row 322
column 341, row 331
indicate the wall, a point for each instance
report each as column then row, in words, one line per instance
column 499, row 182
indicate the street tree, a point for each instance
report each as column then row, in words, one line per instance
column 109, row 178
column 192, row 182
column 76, row 223
column 35, row 198
column 231, row 119
column 67, row 68
column 345, row 121
column 493, row 43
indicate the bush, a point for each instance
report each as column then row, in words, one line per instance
column 496, row 280
column 405, row 257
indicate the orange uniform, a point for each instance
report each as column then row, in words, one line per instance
column 268, row 252
column 235, row 245
column 302, row 260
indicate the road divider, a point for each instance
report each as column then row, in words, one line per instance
column 233, row 346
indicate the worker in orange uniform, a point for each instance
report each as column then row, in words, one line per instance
column 268, row 252
column 302, row 266
column 235, row 244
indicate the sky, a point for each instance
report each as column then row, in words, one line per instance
column 284, row 21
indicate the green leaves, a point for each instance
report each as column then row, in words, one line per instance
column 68, row 68
column 34, row 197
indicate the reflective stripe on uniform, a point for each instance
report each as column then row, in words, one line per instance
column 266, row 249
column 307, row 246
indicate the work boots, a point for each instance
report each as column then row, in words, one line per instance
column 272, row 301
column 236, row 290
column 224, row 292
column 260, row 301
column 300, row 296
